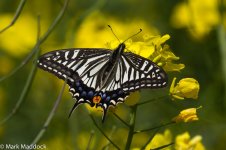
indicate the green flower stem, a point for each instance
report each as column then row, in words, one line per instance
column 164, row 146
column 106, row 147
column 16, row 16
column 153, row 128
column 42, row 39
column 27, row 85
column 222, row 42
column 50, row 116
column 103, row 133
column 23, row 94
column 36, row 51
column 90, row 140
column 121, row 119
column 152, row 100
column 131, row 128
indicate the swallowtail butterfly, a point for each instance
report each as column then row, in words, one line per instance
column 102, row 77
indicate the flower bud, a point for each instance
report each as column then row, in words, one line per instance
column 185, row 88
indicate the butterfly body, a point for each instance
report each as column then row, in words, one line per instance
column 108, row 73
column 102, row 77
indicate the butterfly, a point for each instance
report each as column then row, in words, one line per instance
column 102, row 77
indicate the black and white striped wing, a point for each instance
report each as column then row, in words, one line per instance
column 139, row 72
column 83, row 68
column 76, row 64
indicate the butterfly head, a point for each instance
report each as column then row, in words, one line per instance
column 121, row 47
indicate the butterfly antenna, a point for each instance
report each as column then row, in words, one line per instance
column 133, row 35
column 114, row 33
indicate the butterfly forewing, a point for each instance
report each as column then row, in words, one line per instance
column 75, row 64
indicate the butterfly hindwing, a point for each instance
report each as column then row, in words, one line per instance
column 133, row 72
column 140, row 73
column 85, row 94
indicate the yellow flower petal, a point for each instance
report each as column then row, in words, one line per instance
column 185, row 142
column 160, row 140
column 185, row 88
column 199, row 16
column 18, row 39
column 168, row 67
column 187, row 115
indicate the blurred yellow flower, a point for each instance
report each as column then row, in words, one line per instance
column 185, row 88
column 187, row 115
column 94, row 31
column 182, row 142
column 200, row 16
column 18, row 39
column 160, row 140
column 185, row 142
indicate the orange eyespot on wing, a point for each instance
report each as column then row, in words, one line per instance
column 96, row 99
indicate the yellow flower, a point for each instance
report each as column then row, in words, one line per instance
column 200, row 16
column 185, row 142
column 153, row 47
column 160, row 140
column 187, row 115
column 18, row 39
column 94, row 31
column 185, row 88
column 164, row 57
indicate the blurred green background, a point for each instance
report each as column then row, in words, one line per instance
column 197, row 30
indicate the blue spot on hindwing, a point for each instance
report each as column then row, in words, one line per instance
column 108, row 98
column 80, row 89
column 120, row 92
column 90, row 94
column 114, row 95
column 83, row 94
column 104, row 96
column 77, row 83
